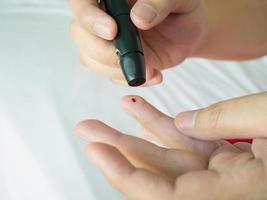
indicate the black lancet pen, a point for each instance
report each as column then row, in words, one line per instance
column 127, row 43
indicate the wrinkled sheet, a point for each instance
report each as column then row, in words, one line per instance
column 44, row 92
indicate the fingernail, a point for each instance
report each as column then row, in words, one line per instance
column 102, row 30
column 185, row 122
column 144, row 12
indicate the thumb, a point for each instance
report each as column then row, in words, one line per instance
column 244, row 117
column 148, row 13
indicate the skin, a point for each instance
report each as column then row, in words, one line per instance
column 242, row 117
column 195, row 162
column 181, row 28
column 161, row 47
column 184, row 168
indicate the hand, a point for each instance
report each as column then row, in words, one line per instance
column 170, row 31
column 243, row 117
column 191, row 169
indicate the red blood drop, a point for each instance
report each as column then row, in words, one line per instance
column 233, row 141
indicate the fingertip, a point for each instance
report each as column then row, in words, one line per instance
column 129, row 102
column 139, row 23
column 141, row 110
column 84, row 127
column 143, row 15
column 128, row 98
column 156, row 78
column 105, row 30
column 99, row 23
column 79, row 127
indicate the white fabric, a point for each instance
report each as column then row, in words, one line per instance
column 44, row 92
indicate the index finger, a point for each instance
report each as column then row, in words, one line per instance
column 94, row 19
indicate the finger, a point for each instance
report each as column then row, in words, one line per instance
column 101, row 69
column 243, row 146
column 153, row 120
column 93, row 19
column 243, row 117
column 162, row 126
column 149, row 13
column 132, row 182
column 141, row 153
column 97, row 48
column 227, row 147
column 259, row 149
column 223, row 156
column 148, row 135
column 102, row 51
column 153, row 76
column 115, row 74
